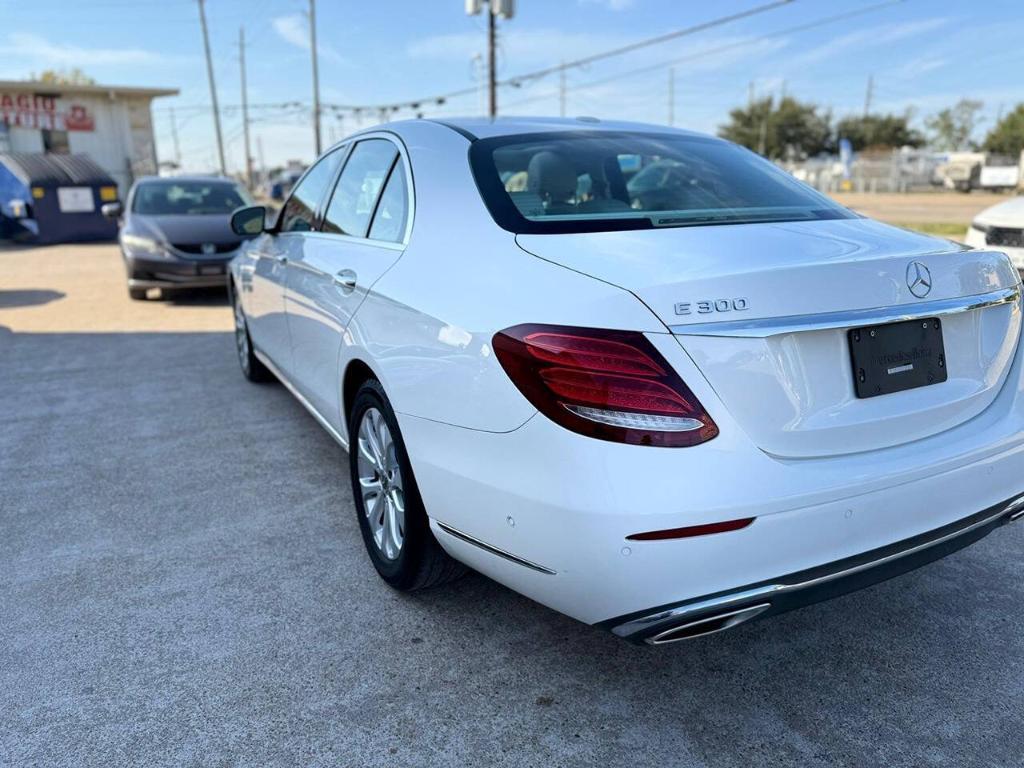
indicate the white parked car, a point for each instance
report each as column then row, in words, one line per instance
column 665, row 407
column 1001, row 226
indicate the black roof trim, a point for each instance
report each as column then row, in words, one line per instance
column 458, row 129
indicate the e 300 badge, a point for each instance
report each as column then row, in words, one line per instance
column 707, row 306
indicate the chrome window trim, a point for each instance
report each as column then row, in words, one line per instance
column 774, row 326
column 410, row 192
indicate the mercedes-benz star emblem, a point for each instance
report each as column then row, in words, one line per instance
column 919, row 279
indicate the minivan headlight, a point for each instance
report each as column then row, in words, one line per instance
column 983, row 228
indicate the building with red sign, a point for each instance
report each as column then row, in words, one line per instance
column 111, row 124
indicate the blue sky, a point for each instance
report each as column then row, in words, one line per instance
column 923, row 55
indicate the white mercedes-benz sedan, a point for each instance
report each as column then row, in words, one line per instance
column 637, row 374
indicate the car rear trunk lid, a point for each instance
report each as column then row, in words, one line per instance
column 764, row 311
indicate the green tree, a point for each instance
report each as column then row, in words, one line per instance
column 951, row 129
column 779, row 129
column 1007, row 137
column 73, row 76
column 878, row 131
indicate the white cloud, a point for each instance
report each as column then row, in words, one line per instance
column 526, row 48
column 611, row 5
column 36, row 51
column 294, row 30
column 883, row 34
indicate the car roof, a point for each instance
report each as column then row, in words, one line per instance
column 485, row 128
column 199, row 178
column 474, row 128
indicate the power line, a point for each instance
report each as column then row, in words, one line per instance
column 724, row 48
column 518, row 80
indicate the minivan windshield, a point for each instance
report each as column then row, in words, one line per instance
column 595, row 181
column 188, row 198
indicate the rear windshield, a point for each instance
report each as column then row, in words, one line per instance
column 587, row 182
column 188, row 198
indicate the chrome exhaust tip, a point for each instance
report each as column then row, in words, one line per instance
column 708, row 625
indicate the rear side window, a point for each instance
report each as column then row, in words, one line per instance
column 360, row 184
column 300, row 210
column 393, row 208
column 605, row 180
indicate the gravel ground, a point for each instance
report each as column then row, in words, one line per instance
column 182, row 582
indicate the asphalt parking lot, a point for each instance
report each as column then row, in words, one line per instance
column 182, row 582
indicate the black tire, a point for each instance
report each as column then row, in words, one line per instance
column 252, row 368
column 137, row 294
column 420, row 562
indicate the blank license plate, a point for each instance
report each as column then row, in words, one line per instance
column 892, row 358
column 211, row 270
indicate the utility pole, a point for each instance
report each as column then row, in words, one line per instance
column 672, row 96
column 493, row 8
column 868, row 94
column 245, row 109
column 213, row 89
column 174, row 138
column 316, row 76
column 561, row 92
column 259, row 152
column 750, row 94
column 492, row 70
column 478, row 75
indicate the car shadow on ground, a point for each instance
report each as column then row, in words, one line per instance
column 180, row 546
column 195, row 297
column 28, row 297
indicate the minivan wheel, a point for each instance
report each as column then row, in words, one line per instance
column 252, row 368
column 391, row 515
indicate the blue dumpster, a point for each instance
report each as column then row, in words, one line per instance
column 54, row 198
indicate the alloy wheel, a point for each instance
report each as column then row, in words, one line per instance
column 381, row 484
column 241, row 337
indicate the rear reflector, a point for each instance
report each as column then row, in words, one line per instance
column 613, row 385
column 693, row 530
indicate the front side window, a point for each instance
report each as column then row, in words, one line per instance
column 393, row 208
column 188, row 198
column 300, row 210
column 598, row 181
column 355, row 196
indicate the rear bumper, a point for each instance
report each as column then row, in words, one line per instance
column 713, row 613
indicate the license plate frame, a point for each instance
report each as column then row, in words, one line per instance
column 895, row 357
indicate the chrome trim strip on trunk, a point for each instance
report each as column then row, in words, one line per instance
column 1011, row 510
column 493, row 550
column 773, row 326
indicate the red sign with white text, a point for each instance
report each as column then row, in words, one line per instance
column 30, row 110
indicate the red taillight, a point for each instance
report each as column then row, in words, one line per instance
column 612, row 385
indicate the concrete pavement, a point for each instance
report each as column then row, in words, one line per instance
column 182, row 582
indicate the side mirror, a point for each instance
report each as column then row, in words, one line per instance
column 112, row 210
column 249, row 221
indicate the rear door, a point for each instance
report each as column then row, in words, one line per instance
column 362, row 232
column 267, row 319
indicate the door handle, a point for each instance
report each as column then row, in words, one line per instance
column 346, row 280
